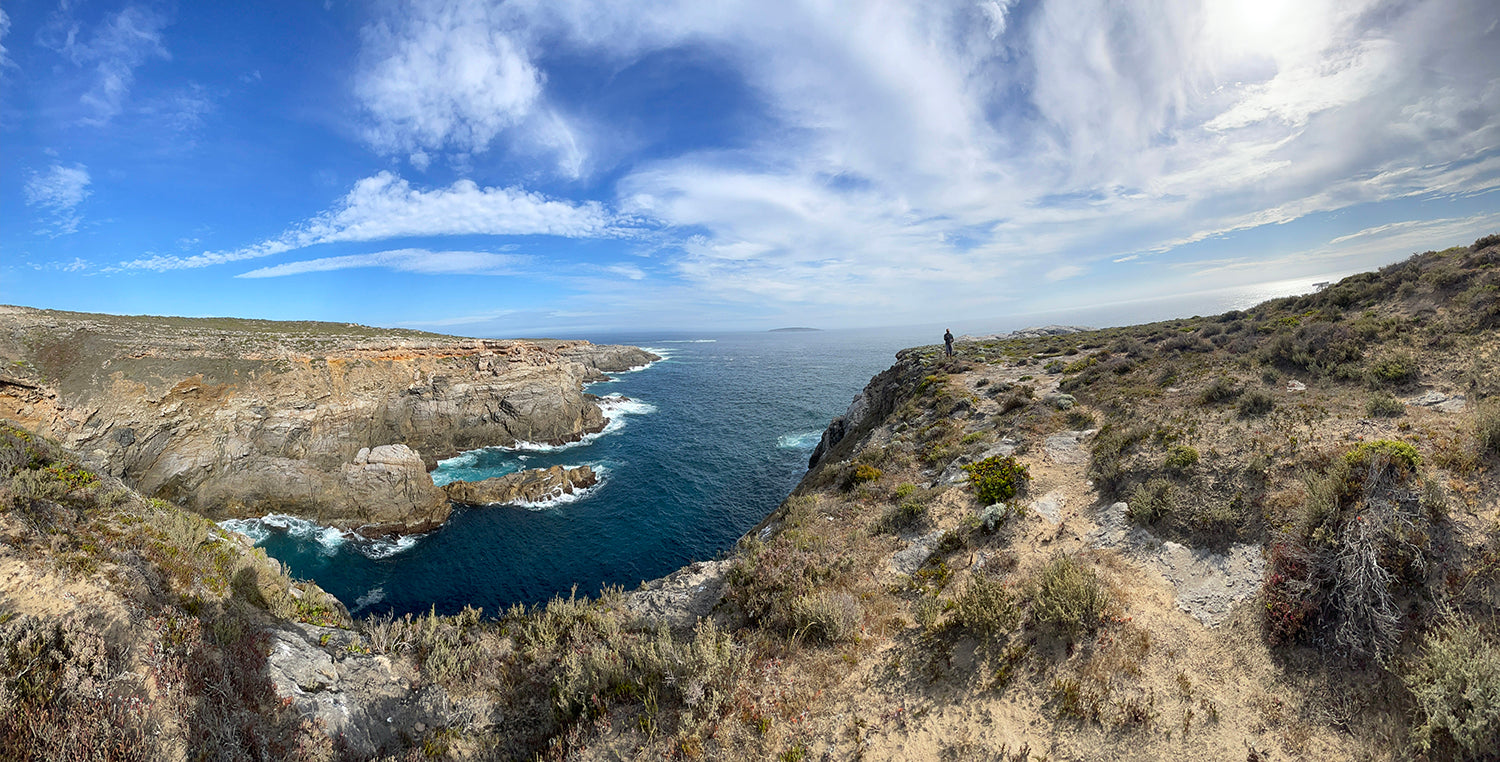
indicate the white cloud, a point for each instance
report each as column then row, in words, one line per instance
column 121, row 44
column 4, row 30
column 1064, row 272
column 402, row 260
column 922, row 143
column 58, row 192
column 445, row 74
column 385, row 206
column 628, row 271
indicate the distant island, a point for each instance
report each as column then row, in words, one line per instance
column 796, row 329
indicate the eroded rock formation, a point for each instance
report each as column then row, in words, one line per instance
column 531, row 486
column 238, row 418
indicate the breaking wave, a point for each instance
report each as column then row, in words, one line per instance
column 328, row 540
column 805, row 440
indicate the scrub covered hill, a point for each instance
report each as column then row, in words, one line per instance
column 1268, row 534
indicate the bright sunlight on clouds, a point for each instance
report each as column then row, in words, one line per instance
column 589, row 165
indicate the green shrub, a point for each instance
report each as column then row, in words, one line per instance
column 1400, row 455
column 1067, row 594
column 986, row 608
column 905, row 515
column 1385, row 406
column 863, row 473
column 1221, row 389
column 1255, row 404
column 1081, row 365
column 1152, row 501
column 1456, row 684
column 997, row 479
column 1181, row 458
column 1394, row 370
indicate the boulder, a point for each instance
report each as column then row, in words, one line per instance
column 364, row 700
column 682, row 597
column 533, row 486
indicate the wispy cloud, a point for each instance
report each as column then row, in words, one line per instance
column 385, row 207
column 58, row 192
column 4, row 30
column 402, row 260
column 483, row 317
column 112, row 52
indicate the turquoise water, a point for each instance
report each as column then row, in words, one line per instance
column 710, row 440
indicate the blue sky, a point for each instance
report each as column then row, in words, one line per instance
column 547, row 166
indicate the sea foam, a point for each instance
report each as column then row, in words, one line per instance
column 558, row 497
column 328, row 540
column 615, row 407
column 805, row 440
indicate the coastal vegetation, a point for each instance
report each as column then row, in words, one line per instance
column 1272, row 533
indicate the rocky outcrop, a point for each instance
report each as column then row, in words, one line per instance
column 236, row 418
column 602, row 360
column 532, row 486
column 364, row 700
column 876, row 401
column 679, row 599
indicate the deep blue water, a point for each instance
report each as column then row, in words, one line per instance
column 714, row 438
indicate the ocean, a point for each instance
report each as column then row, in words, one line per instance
column 700, row 447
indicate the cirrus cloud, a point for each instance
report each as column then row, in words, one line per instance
column 385, row 206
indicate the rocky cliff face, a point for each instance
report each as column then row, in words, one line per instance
column 239, row 418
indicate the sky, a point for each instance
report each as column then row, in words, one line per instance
column 551, row 166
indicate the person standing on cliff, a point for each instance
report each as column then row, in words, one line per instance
column 948, row 341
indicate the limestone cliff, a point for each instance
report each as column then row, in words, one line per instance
column 235, row 418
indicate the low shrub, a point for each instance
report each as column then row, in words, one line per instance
column 1396, row 369
column 1399, row 455
column 826, row 617
column 1108, row 453
column 1255, row 404
column 1181, row 458
column 1068, row 595
column 1016, row 399
column 863, row 474
column 986, row 608
column 1290, row 594
column 1220, row 390
column 907, row 514
column 1079, row 420
column 1456, row 684
column 997, row 478
column 1152, row 501
column 1385, row 406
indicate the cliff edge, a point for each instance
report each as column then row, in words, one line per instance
column 240, row 418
